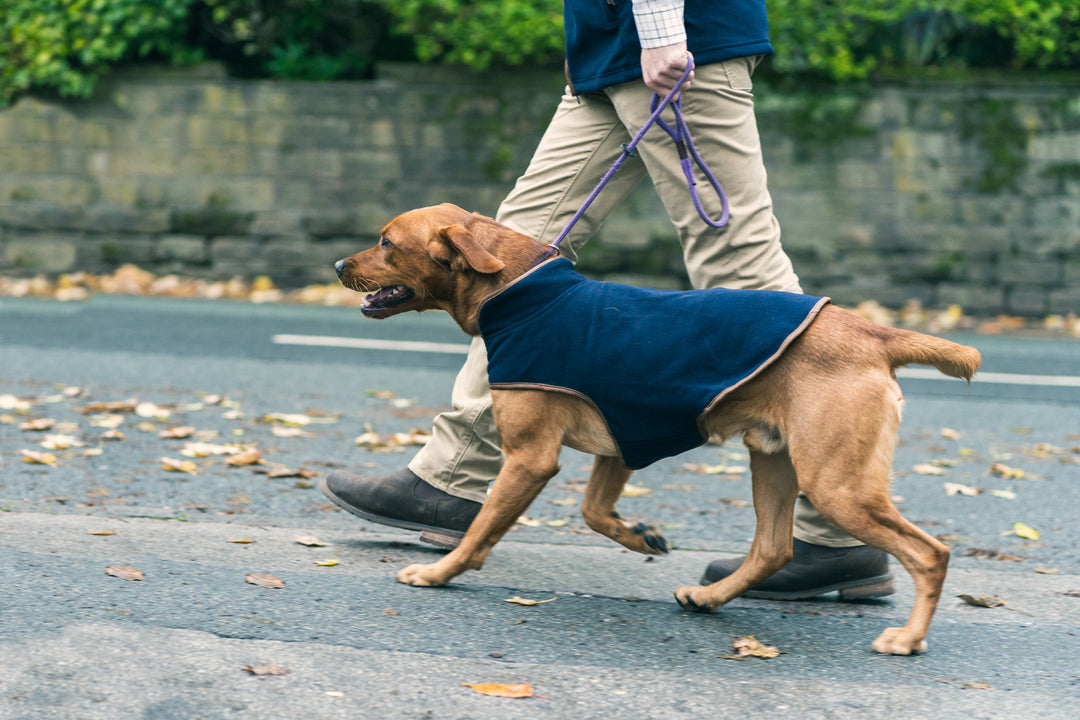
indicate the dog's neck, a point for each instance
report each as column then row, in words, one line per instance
column 465, row 306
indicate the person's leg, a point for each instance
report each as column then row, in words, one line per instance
column 447, row 480
column 746, row 253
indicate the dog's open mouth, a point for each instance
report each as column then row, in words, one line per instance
column 386, row 298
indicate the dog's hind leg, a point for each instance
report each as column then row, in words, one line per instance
column 851, row 489
column 609, row 476
column 775, row 489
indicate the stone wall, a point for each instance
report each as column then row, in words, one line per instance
column 949, row 194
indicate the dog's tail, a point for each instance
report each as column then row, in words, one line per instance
column 904, row 347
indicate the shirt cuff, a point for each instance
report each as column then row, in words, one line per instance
column 659, row 22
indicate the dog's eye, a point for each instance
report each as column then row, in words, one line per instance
column 385, row 243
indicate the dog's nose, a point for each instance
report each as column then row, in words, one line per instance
column 340, row 267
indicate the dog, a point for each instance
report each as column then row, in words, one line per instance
column 819, row 414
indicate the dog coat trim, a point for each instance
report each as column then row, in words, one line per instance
column 652, row 362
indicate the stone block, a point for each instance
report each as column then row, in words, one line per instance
column 1022, row 271
column 1065, row 301
column 183, row 248
column 976, row 299
column 210, row 221
column 1028, row 301
column 40, row 252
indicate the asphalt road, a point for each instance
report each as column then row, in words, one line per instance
column 78, row 643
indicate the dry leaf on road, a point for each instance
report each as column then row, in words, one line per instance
column 986, row 601
column 928, row 469
column 265, row 580
column 515, row 690
column 125, row 572
column 1027, row 532
column 40, row 458
column 527, row 602
column 38, row 424
column 958, row 489
column 748, row 646
column 173, row 465
column 266, row 669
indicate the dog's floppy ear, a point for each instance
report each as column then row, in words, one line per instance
column 474, row 254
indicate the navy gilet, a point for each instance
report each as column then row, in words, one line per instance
column 602, row 47
column 651, row 361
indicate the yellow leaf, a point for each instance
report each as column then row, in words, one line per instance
column 527, row 602
column 1003, row 470
column 247, row 457
column 556, row 523
column 240, row 541
column 1025, row 531
column 636, row 491
column 950, row 434
column 326, row 563
column 178, row 465
column 958, row 489
column 40, row 458
column 100, row 532
column 515, row 690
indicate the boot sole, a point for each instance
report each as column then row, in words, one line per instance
column 440, row 537
column 864, row 589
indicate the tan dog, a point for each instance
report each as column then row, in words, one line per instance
column 821, row 419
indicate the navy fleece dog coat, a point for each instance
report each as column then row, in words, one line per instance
column 651, row 361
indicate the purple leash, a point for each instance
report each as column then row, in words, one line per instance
column 680, row 134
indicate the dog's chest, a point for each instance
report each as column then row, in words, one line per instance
column 651, row 361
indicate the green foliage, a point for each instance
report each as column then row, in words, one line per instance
column 68, row 44
column 481, row 34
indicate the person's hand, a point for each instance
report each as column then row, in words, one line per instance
column 663, row 66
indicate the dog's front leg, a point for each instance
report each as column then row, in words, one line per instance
column 606, row 483
column 775, row 488
column 532, row 455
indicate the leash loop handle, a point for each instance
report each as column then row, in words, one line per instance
column 680, row 134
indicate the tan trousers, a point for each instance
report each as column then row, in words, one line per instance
column 582, row 141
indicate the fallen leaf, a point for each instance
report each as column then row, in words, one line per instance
column 928, row 469
column 61, row 442
column 702, row 469
column 1025, row 531
column 112, row 406
column 1004, row 494
column 173, row 465
column 326, row 563
column 526, row 602
column 38, row 424
column 636, row 491
column 986, row 601
column 1047, row 571
column 107, row 421
column 515, row 690
column 240, row 541
column 950, row 434
column 556, row 523
column 977, row 686
column 280, row 431
column 40, row 458
column 247, row 457
column 982, row 554
column 958, row 489
column 100, row 532
column 177, row 433
column 335, row 693
column 528, row 521
column 309, row 541
column 113, row 435
column 1003, row 470
column 201, row 450
column 391, row 613
column 265, row 580
column 748, row 646
column 564, row 501
column 150, row 410
column 125, row 572
column 263, row 670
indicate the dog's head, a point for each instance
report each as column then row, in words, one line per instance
column 439, row 257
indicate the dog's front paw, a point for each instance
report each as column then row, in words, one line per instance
column 896, row 641
column 421, row 575
column 694, row 598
